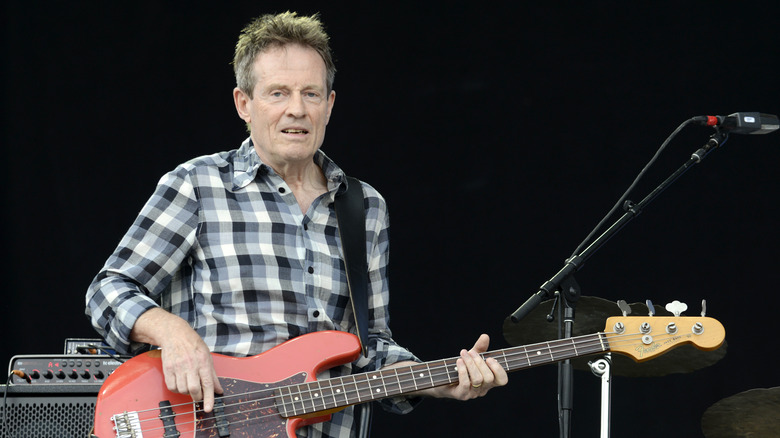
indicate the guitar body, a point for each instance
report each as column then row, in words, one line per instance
column 138, row 386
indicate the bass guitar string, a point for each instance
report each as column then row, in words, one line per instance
column 542, row 346
column 408, row 376
column 530, row 353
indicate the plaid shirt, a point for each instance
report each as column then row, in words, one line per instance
column 223, row 243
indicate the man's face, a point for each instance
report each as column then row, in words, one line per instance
column 290, row 106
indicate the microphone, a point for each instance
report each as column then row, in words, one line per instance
column 741, row 123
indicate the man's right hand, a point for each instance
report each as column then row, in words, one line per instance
column 186, row 360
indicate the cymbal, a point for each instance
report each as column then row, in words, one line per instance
column 590, row 317
column 754, row 413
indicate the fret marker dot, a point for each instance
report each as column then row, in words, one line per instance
column 538, row 353
column 422, row 374
column 338, row 390
column 316, row 394
column 378, row 390
column 296, row 399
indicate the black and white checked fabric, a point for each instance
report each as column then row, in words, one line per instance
column 223, row 243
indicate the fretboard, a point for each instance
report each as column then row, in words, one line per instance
column 338, row 392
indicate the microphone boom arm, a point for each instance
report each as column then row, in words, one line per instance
column 574, row 263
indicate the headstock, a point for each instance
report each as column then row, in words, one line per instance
column 644, row 337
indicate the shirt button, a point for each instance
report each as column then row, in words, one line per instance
column 311, row 270
column 315, row 314
column 306, row 227
column 282, row 190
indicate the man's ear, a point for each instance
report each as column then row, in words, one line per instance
column 331, row 101
column 242, row 104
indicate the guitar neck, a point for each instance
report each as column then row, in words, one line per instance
column 339, row 392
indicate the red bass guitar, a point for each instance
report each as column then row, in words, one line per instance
column 275, row 393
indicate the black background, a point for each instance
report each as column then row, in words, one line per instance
column 499, row 135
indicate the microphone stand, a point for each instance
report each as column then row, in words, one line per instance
column 564, row 281
column 570, row 293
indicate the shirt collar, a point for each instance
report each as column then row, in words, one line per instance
column 247, row 164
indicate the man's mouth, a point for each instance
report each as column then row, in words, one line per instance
column 295, row 131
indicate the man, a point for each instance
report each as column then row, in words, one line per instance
column 239, row 251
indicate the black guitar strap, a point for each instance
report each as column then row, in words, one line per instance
column 351, row 215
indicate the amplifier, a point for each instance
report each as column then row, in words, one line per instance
column 65, row 369
column 38, row 411
column 59, row 398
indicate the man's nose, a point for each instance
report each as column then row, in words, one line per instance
column 296, row 107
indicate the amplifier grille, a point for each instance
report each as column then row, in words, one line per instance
column 44, row 417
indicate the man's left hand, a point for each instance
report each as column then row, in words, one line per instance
column 476, row 376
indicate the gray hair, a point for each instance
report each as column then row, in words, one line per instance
column 277, row 31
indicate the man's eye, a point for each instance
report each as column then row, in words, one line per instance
column 312, row 96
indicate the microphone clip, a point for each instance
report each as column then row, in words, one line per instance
column 716, row 140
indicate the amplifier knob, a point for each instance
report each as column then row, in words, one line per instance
column 73, row 374
column 60, row 374
column 99, row 374
column 48, row 374
column 85, row 374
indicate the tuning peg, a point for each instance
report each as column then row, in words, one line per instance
column 650, row 308
column 703, row 308
column 676, row 307
column 624, row 307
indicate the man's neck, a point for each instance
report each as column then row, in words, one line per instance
column 307, row 182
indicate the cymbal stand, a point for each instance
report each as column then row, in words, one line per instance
column 603, row 368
